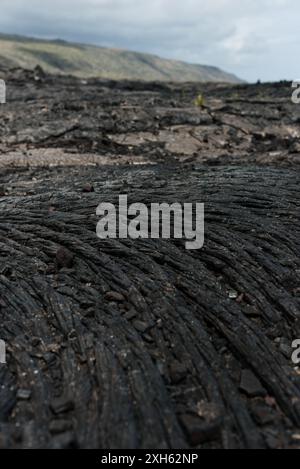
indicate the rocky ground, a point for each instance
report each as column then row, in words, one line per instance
column 143, row 344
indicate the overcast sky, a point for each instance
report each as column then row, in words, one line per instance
column 255, row 39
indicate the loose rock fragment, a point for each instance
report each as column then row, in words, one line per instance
column 24, row 394
column 198, row 431
column 114, row 296
column 64, row 258
column 141, row 326
column 60, row 426
column 62, row 405
column 88, row 188
column 251, row 385
column 233, row 295
column 178, row 372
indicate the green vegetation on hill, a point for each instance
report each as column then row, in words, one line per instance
column 85, row 61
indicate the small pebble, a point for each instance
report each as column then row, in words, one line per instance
column 141, row 326
column 59, row 426
column 88, row 188
column 131, row 315
column 233, row 295
column 61, row 405
column 23, row 394
column 178, row 372
column 199, row 431
column 64, row 258
column 251, row 386
column 114, row 296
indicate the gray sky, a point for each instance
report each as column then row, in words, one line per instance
column 252, row 38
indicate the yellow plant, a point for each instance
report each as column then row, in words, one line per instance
column 200, row 101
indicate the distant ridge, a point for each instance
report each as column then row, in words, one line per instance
column 61, row 57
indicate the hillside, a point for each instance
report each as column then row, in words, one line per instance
column 85, row 61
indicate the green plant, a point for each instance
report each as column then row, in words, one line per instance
column 200, row 101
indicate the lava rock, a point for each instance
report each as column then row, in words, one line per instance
column 88, row 188
column 24, row 394
column 113, row 296
column 141, row 326
column 178, row 372
column 57, row 427
column 64, row 258
column 62, row 405
column 198, row 431
column 251, row 386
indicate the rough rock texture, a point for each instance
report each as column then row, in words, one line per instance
column 126, row 344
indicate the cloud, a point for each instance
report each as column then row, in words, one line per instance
column 252, row 38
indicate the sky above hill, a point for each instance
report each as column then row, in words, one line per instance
column 255, row 39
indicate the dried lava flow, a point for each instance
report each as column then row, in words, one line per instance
column 126, row 344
